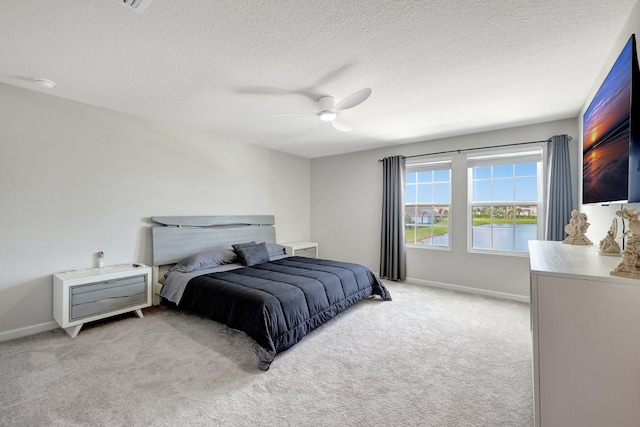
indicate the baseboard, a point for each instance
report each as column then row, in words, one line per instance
column 28, row 330
column 486, row 292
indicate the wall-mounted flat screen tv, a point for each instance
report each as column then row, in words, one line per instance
column 611, row 148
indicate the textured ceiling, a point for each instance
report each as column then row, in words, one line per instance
column 227, row 67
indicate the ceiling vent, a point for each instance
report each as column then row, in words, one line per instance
column 137, row 5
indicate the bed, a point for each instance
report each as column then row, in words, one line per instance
column 231, row 269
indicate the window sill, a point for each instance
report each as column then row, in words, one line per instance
column 435, row 248
column 499, row 253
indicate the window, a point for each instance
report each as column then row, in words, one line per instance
column 505, row 193
column 428, row 204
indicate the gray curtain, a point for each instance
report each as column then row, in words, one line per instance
column 559, row 198
column 392, row 250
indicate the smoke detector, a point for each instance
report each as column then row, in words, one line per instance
column 137, row 5
column 44, row 83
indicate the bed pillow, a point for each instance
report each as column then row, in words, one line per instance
column 243, row 245
column 207, row 259
column 253, row 255
column 275, row 249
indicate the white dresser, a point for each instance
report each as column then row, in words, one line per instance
column 586, row 338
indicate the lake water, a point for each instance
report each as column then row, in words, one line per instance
column 440, row 240
column 505, row 237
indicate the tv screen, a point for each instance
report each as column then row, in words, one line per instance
column 607, row 134
column 634, row 155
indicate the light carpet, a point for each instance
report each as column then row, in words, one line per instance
column 430, row 357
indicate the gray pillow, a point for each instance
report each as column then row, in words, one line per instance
column 207, row 259
column 253, row 255
column 243, row 245
column 275, row 249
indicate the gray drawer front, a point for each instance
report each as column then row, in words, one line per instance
column 107, row 284
column 308, row 252
column 101, row 297
column 105, row 305
column 109, row 292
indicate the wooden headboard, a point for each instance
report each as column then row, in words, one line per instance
column 181, row 236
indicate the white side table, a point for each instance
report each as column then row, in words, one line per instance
column 82, row 296
column 306, row 249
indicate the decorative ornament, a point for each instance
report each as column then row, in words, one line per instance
column 576, row 228
column 608, row 245
column 630, row 264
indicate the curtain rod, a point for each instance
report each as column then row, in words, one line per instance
column 478, row 148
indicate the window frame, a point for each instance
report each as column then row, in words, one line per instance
column 433, row 164
column 501, row 155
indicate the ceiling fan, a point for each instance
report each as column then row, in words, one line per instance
column 328, row 109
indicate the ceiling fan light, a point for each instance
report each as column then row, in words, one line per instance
column 327, row 116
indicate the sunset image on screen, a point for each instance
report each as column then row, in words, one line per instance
column 606, row 135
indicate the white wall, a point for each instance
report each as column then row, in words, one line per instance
column 346, row 200
column 600, row 217
column 76, row 179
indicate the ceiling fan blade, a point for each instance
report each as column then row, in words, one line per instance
column 341, row 126
column 353, row 100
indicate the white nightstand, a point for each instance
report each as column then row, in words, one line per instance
column 308, row 249
column 82, row 296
